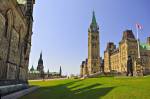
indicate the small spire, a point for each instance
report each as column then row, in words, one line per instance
column 48, row 71
column 32, row 68
column 40, row 59
column 41, row 55
column 94, row 19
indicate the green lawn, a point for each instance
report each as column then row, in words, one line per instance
column 93, row 88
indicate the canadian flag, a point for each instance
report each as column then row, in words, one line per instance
column 138, row 26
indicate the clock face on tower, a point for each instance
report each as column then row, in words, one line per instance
column 94, row 29
column 22, row 1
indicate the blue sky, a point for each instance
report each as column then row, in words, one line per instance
column 61, row 28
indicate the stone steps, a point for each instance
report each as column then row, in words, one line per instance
column 20, row 93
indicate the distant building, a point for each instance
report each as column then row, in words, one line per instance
column 92, row 64
column 40, row 66
column 33, row 73
column 115, row 59
column 39, row 73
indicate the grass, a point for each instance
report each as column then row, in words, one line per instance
column 93, row 88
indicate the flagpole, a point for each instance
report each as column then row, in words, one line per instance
column 137, row 31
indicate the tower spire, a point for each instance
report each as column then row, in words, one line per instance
column 32, row 68
column 94, row 19
column 40, row 66
column 40, row 59
column 41, row 55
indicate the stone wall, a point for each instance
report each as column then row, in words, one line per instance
column 15, row 41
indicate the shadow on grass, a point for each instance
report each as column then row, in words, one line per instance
column 62, row 91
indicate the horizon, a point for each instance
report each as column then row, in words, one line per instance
column 68, row 35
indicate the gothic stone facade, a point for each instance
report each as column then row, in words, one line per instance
column 92, row 64
column 115, row 59
column 15, row 39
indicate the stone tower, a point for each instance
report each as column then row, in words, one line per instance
column 107, row 61
column 40, row 66
column 93, row 47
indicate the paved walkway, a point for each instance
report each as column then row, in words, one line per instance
column 49, row 79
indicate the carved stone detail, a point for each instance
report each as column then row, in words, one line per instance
column 2, row 23
column 2, row 31
column 9, row 22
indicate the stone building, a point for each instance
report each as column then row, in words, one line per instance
column 92, row 64
column 33, row 74
column 39, row 72
column 40, row 66
column 16, row 22
column 115, row 59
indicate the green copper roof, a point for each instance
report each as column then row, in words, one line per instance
column 145, row 46
column 94, row 19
